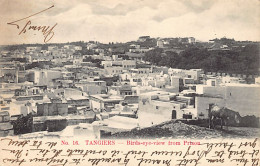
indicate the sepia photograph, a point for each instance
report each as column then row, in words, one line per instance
column 128, row 75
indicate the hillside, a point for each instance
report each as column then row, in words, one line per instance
column 178, row 130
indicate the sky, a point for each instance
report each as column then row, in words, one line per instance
column 122, row 21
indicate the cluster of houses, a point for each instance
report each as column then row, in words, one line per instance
column 65, row 93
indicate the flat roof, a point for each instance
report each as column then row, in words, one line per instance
column 105, row 97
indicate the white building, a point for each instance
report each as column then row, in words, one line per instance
column 45, row 77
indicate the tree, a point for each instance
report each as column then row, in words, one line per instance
column 154, row 56
column 170, row 59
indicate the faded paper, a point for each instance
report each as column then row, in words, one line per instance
column 129, row 152
column 53, row 21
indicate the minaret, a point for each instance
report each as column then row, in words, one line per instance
column 16, row 74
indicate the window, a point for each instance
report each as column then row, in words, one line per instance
column 144, row 101
column 6, row 118
column 201, row 114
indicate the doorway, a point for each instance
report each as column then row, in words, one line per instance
column 174, row 114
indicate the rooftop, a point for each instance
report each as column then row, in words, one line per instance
column 107, row 98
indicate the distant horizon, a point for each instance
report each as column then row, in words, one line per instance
column 115, row 42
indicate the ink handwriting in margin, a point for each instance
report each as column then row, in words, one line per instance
column 47, row 31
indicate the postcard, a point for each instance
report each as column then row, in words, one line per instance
column 138, row 82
